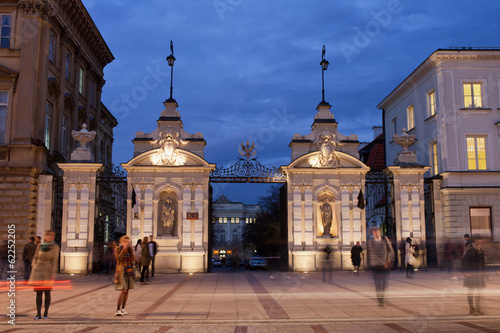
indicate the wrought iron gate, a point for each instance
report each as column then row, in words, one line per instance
column 379, row 202
column 110, row 212
column 430, row 225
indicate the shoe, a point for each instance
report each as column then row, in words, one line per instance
column 45, row 317
column 118, row 313
column 479, row 312
column 37, row 317
column 144, row 283
column 472, row 312
column 124, row 313
column 453, row 278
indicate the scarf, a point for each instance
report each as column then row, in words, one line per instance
column 129, row 268
column 44, row 247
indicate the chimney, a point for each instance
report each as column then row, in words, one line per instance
column 377, row 130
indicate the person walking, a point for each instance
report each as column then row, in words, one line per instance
column 328, row 263
column 28, row 253
column 138, row 253
column 473, row 265
column 124, row 275
column 356, row 257
column 380, row 258
column 409, row 258
column 44, row 270
column 145, row 260
column 38, row 240
column 153, row 249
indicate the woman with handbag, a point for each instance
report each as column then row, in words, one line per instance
column 124, row 276
column 409, row 258
column 145, row 259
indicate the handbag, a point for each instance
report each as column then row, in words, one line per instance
column 137, row 272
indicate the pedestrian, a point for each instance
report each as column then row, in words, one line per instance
column 473, row 266
column 328, row 263
column 44, row 270
column 153, row 249
column 467, row 240
column 409, row 258
column 124, row 275
column 28, row 253
column 356, row 257
column 236, row 260
column 145, row 260
column 380, row 258
column 38, row 240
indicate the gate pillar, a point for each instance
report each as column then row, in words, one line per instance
column 409, row 202
column 79, row 206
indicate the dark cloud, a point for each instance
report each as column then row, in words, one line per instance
column 238, row 60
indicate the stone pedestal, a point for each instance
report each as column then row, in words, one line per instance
column 78, row 216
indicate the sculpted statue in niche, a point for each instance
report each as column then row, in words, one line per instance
column 168, row 217
column 326, row 218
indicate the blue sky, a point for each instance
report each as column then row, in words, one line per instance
column 249, row 70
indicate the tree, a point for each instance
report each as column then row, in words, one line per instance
column 264, row 234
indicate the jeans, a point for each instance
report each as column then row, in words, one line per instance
column 144, row 272
column 27, row 270
column 380, row 279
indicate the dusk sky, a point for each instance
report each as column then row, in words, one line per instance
column 249, row 70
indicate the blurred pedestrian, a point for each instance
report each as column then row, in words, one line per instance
column 153, row 249
column 44, row 270
column 409, row 258
column 138, row 253
column 473, row 266
column 468, row 241
column 145, row 260
column 38, row 240
column 124, row 275
column 28, row 253
column 328, row 263
column 236, row 260
column 380, row 258
column 356, row 257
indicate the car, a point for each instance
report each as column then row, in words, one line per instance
column 216, row 262
column 257, row 262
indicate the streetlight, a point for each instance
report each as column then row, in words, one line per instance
column 171, row 60
column 324, row 66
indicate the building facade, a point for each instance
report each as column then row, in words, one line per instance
column 451, row 104
column 229, row 219
column 52, row 58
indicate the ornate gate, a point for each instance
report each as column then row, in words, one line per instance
column 111, row 211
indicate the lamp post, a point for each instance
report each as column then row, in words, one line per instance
column 171, row 60
column 324, row 66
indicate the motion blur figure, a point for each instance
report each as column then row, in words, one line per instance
column 328, row 263
column 380, row 258
column 473, row 266
column 409, row 258
column 356, row 257
column 28, row 253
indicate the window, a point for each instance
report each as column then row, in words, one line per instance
column 64, row 135
column 5, row 31
column 223, row 220
column 234, row 220
column 411, row 118
column 235, row 236
column 213, row 219
column 472, row 95
column 52, row 47
column 434, row 158
column 394, row 126
column 476, row 152
column 92, row 93
column 250, row 220
column 222, row 238
column 48, row 115
column 431, row 103
column 3, row 115
column 480, row 221
column 68, row 65
column 81, row 81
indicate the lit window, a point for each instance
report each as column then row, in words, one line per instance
column 472, row 95
column 434, row 158
column 81, row 81
column 5, row 31
column 431, row 103
column 411, row 118
column 64, row 135
column 223, row 220
column 52, row 47
column 234, row 220
column 68, row 66
column 480, row 221
column 394, row 126
column 48, row 115
column 3, row 115
column 213, row 219
column 476, row 152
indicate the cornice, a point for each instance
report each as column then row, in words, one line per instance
column 432, row 62
column 41, row 8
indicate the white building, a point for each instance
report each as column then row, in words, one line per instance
column 451, row 103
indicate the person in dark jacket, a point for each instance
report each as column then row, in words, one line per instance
column 356, row 257
column 473, row 266
column 145, row 260
column 380, row 256
column 153, row 249
column 28, row 253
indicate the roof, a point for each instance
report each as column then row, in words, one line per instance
column 375, row 148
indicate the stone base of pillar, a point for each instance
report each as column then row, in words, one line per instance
column 75, row 262
column 168, row 261
column 193, row 262
column 303, row 261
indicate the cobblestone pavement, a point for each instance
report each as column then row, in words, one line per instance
column 261, row 302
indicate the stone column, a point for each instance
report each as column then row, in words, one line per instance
column 345, row 216
column 308, row 218
column 297, row 218
column 79, row 194
column 44, row 212
column 186, row 224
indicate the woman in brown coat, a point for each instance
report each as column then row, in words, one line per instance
column 145, row 259
column 124, row 276
column 44, row 271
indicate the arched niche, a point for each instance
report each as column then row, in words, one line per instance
column 168, row 215
column 327, row 207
